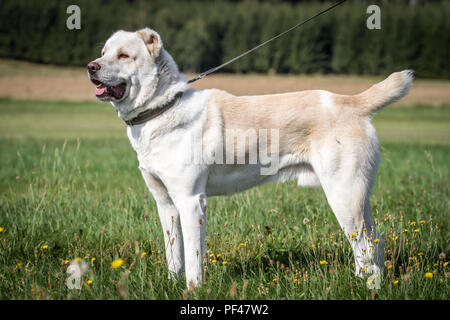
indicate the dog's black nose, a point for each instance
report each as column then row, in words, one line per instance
column 93, row 67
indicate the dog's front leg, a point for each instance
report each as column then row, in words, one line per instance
column 192, row 210
column 170, row 221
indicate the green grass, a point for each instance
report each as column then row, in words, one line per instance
column 69, row 180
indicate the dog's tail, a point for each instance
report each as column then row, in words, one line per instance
column 385, row 92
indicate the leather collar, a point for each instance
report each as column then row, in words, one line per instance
column 147, row 115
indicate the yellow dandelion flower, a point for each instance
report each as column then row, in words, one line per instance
column 77, row 259
column 363, row 270
column 224, row 262
column 1, row 229
column 428, row 275
column 376, row 240
column 158, row 261
column 143, row 254
column 389, row 267
column 117, row 263
column 218, row 255
column 357, row 231
column 396, row 282
column 422, row 221
column 405, row 230
column 364, row 250
column 368, row 239
column 211, row 255
column 435, row 265
column 69, row 252
column 295, row 280
column 329, row 254
column 20, row 264
column 89, row 282
column 66, row 261
column 86, row 257
column 416, row 230
column 445, row 264
column 45, row 246
column 395, row 238
column 413, row 223
column 242, row 244
column 214, row 261
column 323, row 262
column 93, row 259
column 364, row 229
column 352, row 234
column 275, row 279
column 420, row 253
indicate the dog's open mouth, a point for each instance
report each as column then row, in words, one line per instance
column 106, row 92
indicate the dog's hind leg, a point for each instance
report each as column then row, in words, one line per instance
column 346, row 181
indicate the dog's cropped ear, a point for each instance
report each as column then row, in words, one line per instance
column 152, row 40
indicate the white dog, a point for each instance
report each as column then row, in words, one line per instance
column 185, row 144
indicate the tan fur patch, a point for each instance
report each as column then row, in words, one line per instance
column 297, row 116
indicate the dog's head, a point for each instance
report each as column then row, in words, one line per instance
column 127, row 70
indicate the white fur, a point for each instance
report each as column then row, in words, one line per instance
column 176, row 153
column 326, row 99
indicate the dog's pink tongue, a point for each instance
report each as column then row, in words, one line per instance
column 100, row 90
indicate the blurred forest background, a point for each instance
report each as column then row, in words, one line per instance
column 201, row 34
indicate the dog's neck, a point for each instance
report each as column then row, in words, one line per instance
column 160, row 88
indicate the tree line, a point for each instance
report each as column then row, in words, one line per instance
column 201, row 34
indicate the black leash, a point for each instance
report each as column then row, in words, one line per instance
column 204, row 74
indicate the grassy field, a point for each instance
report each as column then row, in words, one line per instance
column 70, row 188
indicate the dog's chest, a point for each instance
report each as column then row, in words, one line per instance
column 167, row 143
column 157, row 154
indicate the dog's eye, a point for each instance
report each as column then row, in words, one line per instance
column 123, row 56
